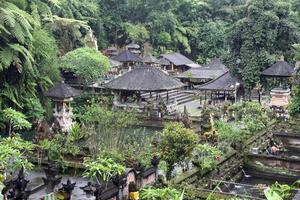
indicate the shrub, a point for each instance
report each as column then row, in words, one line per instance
column 176, row 144
column 105, row 168
column 205, row 156
column 13, row 154
column 161, row 194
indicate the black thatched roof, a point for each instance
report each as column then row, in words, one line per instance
column 212, row 70
column 144, row 78
column 127, row 56
column 226, row 82
column 177, row 59
column 149, row 59
column 62, row 91
column 279, row 69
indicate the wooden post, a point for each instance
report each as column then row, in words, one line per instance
column 167, row 96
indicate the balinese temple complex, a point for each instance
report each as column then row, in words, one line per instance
column 62, row 95
column 281, row 72
column 129, row 88
column 196, row 76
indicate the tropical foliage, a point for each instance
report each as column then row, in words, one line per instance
column 279, row 191
column 250, row 118
column 14, row 152
column 57, row 147
column 15, row 120
column 85, row 63
column 106, row 125
column 176, row 144
column 103, row 168
column 161, row 193
column 294, row 106
column 205, row 156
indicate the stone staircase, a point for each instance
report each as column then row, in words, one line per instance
column 180, row 96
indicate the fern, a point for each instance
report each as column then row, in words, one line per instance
column 11, row 93
column 6, row 57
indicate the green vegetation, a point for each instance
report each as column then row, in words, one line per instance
column 15, row 120
column 250, row 118
column 103, row 168
column 161, row 194
column 206, row 156
column 263, row 32
column 280, row 191
column 176, row 144
column 57, row 147
column 13, row 154
column 294, row 106
column 106, row 125
column 86, row 63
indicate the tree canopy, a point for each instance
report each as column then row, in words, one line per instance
column 86, row 63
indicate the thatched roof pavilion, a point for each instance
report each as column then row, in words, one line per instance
column 177, row 59
column 206, row 73
column 179, row 62
column 149, row 59
column 223, row 87
column 127, row 57
column 280, row 69
column 144, row 78
column 226, row 82
column 62, row 91
column 163, row 62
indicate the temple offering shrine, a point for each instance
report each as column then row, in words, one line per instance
column 62, row 95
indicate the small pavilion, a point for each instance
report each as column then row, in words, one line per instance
column 128, row 59
column 197, row 76
column 223, row 88
column 179, row 63
column 114, row 66
column 281, row 72
column 111, row 51
column 164, row 64
column 62, row 95
column 128, row 88
column 134, row 48
column 150, row 60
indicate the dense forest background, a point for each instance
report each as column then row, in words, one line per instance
column 247, row 34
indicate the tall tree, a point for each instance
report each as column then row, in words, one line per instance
column 294, row 105
column 255, row 40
